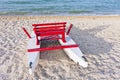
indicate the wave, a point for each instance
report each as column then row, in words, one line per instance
column 78, row 11
column 14, row 13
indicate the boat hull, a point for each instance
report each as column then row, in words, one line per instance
column 33, row 57
column 74, row 53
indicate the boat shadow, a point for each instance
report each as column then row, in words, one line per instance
column 52, row 55
column 89, row 40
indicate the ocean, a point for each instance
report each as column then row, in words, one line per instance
column 59, row 7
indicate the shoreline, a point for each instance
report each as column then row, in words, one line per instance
column 58, row 16
column 96, row 15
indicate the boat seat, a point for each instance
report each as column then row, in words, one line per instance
column 50, row 29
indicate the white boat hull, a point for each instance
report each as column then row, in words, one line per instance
column 74, row 53
column 33, row 57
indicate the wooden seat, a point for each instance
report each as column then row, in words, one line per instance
column 50, row 29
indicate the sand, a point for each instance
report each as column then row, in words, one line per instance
column 98, row 38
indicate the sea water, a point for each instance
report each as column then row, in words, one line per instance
column 59, row 7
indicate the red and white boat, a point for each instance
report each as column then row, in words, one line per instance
column 52, row 31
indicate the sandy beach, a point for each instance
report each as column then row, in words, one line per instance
column 97, row 36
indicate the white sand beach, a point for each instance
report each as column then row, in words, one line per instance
column 97, row 36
